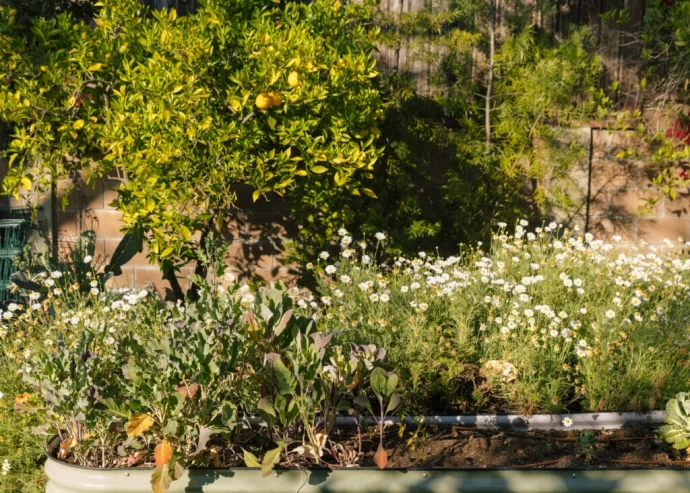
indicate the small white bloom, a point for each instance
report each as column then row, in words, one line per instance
column 330, row 269
column 324, row 255
column 567, row 422
column 342, row 232
column 88, row 259
column 380, row 236
column 610, row 314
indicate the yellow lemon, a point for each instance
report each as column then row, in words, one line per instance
column 276, row 98
column 293, row 79
column 263, row 101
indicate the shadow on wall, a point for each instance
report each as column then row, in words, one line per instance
column 256, row 232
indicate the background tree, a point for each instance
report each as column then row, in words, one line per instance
column 459, row 156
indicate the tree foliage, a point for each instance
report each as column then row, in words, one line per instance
column 439, row 184
column 187, row 107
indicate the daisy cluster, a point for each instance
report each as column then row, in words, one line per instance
column 550, row 288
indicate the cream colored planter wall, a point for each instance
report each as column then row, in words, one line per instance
column 70, row 479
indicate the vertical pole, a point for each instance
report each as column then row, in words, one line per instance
column 490, row 75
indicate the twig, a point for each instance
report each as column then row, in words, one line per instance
column 539, row 464
column 650, row 462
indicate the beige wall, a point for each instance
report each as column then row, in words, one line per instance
column 619, row 186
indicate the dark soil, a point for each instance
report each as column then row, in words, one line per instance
column 444, row 447
column 633, row 446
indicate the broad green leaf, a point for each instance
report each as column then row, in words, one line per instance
column 378, row 381
column 363, row 401
column 266, row 411
column 250, row 460
column 392, row 383
column 319, row 169
column 271, row 458
column 286, row 381
column 95, row 67
column 186, row 234
column 393, row 403
column 160, row 479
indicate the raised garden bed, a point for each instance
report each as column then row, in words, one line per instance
column 480, row 453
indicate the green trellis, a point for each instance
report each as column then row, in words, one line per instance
column 13, row 233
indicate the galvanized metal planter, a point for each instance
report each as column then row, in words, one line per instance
column 65, row 478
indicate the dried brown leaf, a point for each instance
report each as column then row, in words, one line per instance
column 381, row 457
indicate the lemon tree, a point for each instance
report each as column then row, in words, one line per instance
column 279, row 96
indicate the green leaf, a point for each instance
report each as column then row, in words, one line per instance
column 175, row 468
column 363, row 401
column 250, row 460
column 160, row 479
column 378, row 381
column 186, row 234
column 391, row 384
column 393, row 403
column 286, row 381
column 278, row 329
column 369, row 193
column 266, row 411
column 319, row 169
column 271, row 458
column 95, row 67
